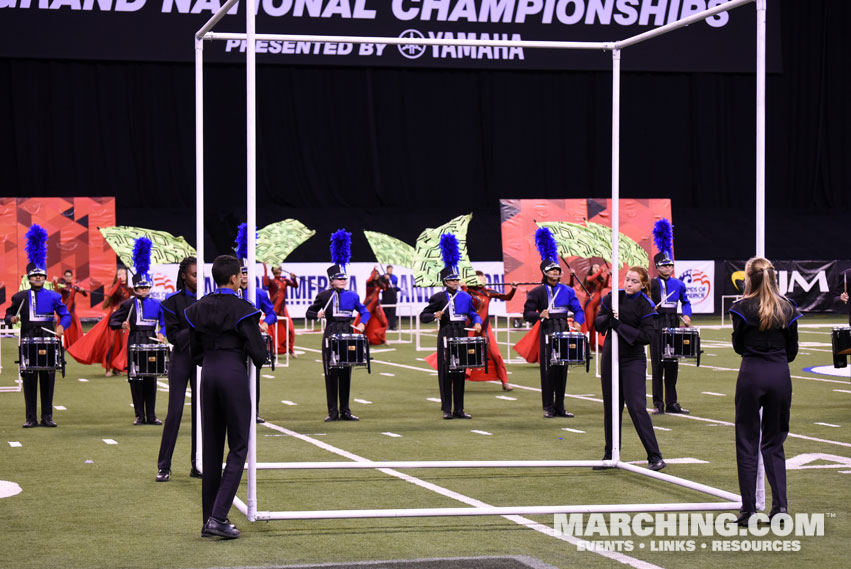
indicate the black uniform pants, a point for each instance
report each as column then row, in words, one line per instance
column 664, row 374
column 390, row 313
column 225, row 412
column 553, row 377
column 144, row 392
column 181, row 373
column 450, row 383
column 32, row 386
column 338, row 385
column 763, row 382
column 633, row 392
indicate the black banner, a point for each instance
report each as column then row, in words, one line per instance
column 162, row 30
column 815, row 286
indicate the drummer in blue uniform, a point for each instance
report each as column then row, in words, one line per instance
column 451, row 308
column 338, row 307
column 35, row 309
column 261, row 301
column 666, row 291
column 140, row 316
column 551, row 303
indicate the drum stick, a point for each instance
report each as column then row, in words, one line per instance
column 684, row 321
column 154, row 339
column 572, row 272
column 50, row 331
column 21, row 305
column 330, row 298
column 666, row 298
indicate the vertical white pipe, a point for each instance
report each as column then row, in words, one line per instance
column 199, row 223
column 616, row 128
column 760, row 127
column 760, row 189
column 251, row 222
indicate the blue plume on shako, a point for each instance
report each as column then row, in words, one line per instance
column 450, row 251
column 663, row 237
column 37, row 246
column 242, row 241
column 142, row 255
column 546, row 244
column 341, row 247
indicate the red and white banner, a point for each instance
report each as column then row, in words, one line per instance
column 699, row 278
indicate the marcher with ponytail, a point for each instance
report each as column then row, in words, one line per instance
column 765, row 334
column 181, row 370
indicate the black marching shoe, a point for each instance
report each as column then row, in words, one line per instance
column 658, row 409
column 446, row 415
column 48, row 422
column 657, row 465
column 216, row 528
column 30, row 424
column 567, row 414
column 776, row 511
column 347, row 416
column 743, row 518
column 154, row 421
column 163, row 475
column 676, row 409
column 333, row 416
column 549, row 414
column 461, row 415
column 259, row 420
column 195, row 473
column 139, row 421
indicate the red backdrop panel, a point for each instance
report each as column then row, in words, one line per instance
column 74, row 242
column 518, row 232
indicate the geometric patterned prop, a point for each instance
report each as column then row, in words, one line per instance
column 390, row 251
column 582, row 229
column 428, row 262
column 277, row 240
column 73, row 243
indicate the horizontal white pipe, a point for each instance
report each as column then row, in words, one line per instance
column 414, row 41
column 214, row 19
column 494, row 511
column 682, row 482
column 429, row 464
column 680, row 23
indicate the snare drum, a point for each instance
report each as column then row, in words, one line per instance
column 40, row 354
column 841, row 339
column 466, row 352
column 347, row 350
column 680, row 343
column 147, row 360
column 569, row 348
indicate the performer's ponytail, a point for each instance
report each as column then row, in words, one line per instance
column 761, row 283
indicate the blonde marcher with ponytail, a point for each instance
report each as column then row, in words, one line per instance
column 765, row 334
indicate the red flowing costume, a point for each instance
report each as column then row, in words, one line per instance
column 100, row 344
column 376, row 327
column 69, row 298
column 496, row 366
column 598, row 286
column 277, row 287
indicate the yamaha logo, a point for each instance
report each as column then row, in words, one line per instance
column 411, row 51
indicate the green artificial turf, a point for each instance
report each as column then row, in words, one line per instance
column 85, row 503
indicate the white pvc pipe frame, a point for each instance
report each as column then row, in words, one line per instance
column 250, row 508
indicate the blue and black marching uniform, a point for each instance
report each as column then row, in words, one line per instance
column 553, row 377
column 666, row 293
column 223, row 334
column 338, row 318
column 264, row 304
column 37, row 312
column 635, row 327
column 146, row 314
column 457, row 307
column 181, row 373
column 763, row 381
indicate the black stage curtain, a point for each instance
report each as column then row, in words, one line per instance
column 396, row 151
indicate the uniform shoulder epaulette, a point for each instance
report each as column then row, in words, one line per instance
column 649, row 301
